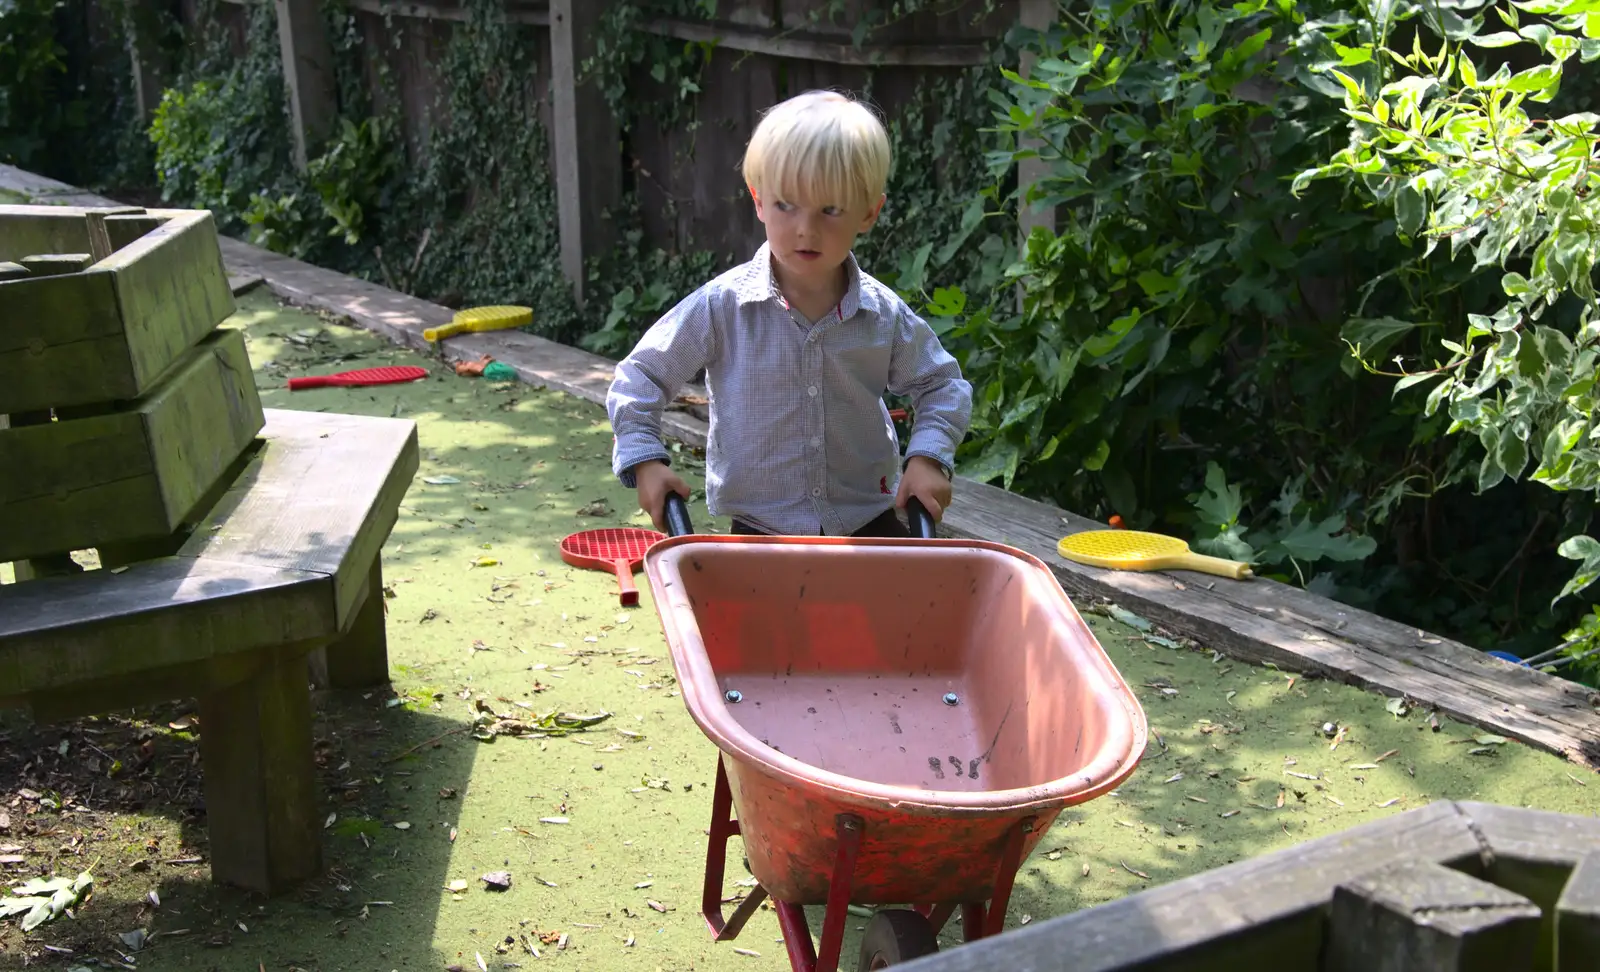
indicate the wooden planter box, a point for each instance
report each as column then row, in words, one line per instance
column 137, row 473
column 1450, row 887
column 109, row 331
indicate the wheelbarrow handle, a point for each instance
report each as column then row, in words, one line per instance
column 677, row 515
column 678, row 525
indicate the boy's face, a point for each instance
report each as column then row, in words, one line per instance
column 811, row 240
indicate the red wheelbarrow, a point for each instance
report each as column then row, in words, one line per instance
column 899, row 722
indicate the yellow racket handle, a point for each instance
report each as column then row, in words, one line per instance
column 1212, row 565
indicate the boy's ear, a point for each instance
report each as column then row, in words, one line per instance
column 874, row 213
column 756, row 198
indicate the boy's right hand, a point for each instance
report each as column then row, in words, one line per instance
column 654, row 479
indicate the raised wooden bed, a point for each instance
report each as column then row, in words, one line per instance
column 1450, row 887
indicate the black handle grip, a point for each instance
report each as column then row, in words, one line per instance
column 922, row 525
column 677, row 515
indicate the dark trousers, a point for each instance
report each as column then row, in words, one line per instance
column 887, row 524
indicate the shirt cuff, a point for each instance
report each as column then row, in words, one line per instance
column 640, row 447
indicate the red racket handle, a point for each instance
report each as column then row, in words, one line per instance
column 624, row 570
column 310, row 381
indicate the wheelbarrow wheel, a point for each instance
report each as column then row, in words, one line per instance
column 896, row 936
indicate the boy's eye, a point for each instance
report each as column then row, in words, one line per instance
column 782, row 206
column 831, row 211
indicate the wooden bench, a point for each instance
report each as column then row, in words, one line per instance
column 284, row 566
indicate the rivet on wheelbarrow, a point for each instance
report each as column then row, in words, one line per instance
column 733, row 695
column 951, row 698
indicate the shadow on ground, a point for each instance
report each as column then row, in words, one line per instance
column 604, row 832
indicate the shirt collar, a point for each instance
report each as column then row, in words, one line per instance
column 757, row 283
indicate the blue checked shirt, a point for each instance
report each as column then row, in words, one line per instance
column 801, row 442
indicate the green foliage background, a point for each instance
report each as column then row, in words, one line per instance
column 1182, row 353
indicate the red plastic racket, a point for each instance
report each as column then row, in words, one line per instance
column 617, row 549
column 392, row 375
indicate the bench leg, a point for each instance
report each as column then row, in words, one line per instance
column 260, row 780
column 360, row 659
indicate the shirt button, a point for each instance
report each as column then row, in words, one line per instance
column 816, row 491
column 812, row 391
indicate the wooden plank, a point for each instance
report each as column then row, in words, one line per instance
column 402, row 318
column 307, row 76
column 109, row 333
column 811, row 47
column 260, row 780
column 26, row 230
column 585, row 141
column 58, row 633
column 13, row 271
column 331, row 487
column 1419, row 916
column 53, row 264
column 516, row 12
column 1264, row 621
column 135, row 474
column 1578, row 918
column 124, row 229
column 1264, row 913
column 172, row 291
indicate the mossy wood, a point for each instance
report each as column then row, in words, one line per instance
column 109, row 332
column 131, row 474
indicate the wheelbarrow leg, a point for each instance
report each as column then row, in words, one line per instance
column 724, row 826
column 792, row 917
column 978, row 921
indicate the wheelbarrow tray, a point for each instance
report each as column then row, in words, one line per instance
column 936, row 692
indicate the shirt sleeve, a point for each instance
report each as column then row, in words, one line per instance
column 650, row 377
column 941, row 400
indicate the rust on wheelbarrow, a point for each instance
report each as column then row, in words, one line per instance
column 899, row 721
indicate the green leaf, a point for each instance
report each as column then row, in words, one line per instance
column 1469, row 74
column 1410, row 209
column 1350, row 86
column 1586, row 549
column 947, row 302
column 1374, row 335
column 999, row 460
column 1229, row 544
column 1351, row 56
column 1308, row 541
column 1096, row 460
column 38, row 915
column 1221, row 502
column 1156, row 283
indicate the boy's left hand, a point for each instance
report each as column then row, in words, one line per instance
column 925, row 480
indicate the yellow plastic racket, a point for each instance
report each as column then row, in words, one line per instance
column 1138, row 550
column 474, row 319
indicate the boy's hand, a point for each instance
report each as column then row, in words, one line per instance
column 654, row 479
column 925, row 480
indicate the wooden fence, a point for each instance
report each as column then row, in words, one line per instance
column 686, row 180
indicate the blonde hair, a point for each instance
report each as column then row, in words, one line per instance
column 820, row 147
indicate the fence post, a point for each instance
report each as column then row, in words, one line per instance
column 307, row 75
column 1038, row 15
column 586, row 142
column 149, row 82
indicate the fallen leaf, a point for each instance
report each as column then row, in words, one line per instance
column 458, row 885
column 1333, row 799
column 440, row 480
column 642, row 885
column 402, row 825
column 1392, row 752
column 1175, row 777
column 657, row 906
column 497, row 881
column 748, row 952
column 484, row 966
column 329, row 822
column 554, row 820
column 486, row 562
column 1397, row 707
column 1388, row 803
column 1490, row 740
column 1280, row 800
column 1363, row 766
column 1130, row 870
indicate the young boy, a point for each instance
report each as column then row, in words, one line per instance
column 799, row 346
